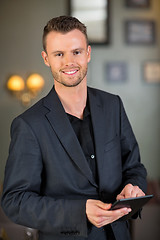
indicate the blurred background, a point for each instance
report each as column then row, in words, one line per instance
column 125, row 61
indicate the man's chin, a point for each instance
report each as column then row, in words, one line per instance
column 69, row 85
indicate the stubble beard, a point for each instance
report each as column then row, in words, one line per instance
column 61, row 79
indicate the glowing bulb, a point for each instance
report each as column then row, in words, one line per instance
column 35, row 82
column 15, row 83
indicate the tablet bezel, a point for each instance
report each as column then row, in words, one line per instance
column 135, row 204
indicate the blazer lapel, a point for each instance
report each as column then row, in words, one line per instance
column 99, row 126
column 64, row 131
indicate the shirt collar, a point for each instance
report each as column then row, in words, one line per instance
column 86, row 113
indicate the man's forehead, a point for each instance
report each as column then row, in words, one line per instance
column 74, row 32
column 72, row 40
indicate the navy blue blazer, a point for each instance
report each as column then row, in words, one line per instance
column 47, row 178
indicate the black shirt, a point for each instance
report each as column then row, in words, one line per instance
column 84, row 132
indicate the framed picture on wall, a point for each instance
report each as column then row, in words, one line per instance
column 140, row 32
column 95, row 15
column 151, row 71
column 116, row 72
column 137, row 3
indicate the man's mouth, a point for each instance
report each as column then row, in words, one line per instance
column 71, row 72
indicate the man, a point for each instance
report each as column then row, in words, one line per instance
column 73, row 153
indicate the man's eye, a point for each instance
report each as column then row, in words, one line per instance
column 76, row 52
column 59, row 54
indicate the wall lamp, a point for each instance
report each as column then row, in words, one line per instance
column 25, row 91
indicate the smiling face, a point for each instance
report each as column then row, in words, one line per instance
column 67, row 55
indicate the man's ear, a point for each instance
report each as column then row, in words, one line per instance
column 45, row 58
column 89, row 53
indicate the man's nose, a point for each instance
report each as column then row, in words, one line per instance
column 69, row 59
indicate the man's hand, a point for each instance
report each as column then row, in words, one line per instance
column 130, row 191
column 98, row 213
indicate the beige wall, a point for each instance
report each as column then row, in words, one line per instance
column 21, row 25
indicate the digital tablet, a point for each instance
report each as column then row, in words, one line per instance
column 134, row 203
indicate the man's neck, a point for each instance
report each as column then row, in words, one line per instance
column 73, row 99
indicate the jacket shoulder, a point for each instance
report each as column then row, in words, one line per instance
column 33, row 111
column 34, row 114
column 104, row 96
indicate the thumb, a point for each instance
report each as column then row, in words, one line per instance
column 104, row 206
column 108, row 206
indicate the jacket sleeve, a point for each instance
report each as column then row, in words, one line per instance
column 133, row 170
column 22, row 200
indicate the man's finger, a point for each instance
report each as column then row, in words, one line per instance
column 104, row 206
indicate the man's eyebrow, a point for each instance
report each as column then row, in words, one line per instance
column 57, row 51
column 76, row 49
column 73, row 50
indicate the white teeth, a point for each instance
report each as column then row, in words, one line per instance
column 71, row 72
